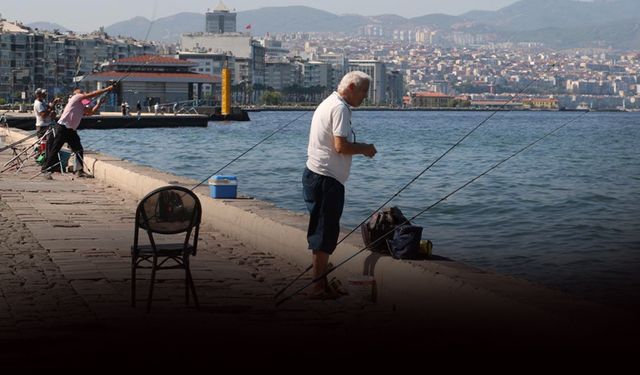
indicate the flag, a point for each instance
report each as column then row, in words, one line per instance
column 248, row 26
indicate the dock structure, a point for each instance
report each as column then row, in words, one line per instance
column 65, row 271
column 113, row 120
column 226, row 112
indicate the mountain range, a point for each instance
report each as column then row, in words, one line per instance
column 558, row 23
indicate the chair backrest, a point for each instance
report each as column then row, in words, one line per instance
column 169, row 210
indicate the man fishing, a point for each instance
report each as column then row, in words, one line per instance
column 331, row 145
column 65, row 130
column 42, row 111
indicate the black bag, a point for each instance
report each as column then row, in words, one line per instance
column 406, row 242
column 380, row 228
column 170, row 207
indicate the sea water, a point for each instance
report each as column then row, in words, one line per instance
column 564, row 213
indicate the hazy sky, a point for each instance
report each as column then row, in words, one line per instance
column 89, row 15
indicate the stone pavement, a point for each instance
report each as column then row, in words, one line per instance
column 65, row 279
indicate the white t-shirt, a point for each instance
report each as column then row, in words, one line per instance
column 38, row 107
column 331, row 118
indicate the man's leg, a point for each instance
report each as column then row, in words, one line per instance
column 54, row 144
column 73, row 140
column 320, row 262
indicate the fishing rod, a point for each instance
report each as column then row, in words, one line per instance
column 78, row 66
column 100, row 98
column 182, row 194
column 249, row 149
column 234, row 159
column 417, row 177
column 12, row 145
column 447, row 196
column 153, row 19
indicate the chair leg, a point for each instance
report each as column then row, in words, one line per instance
column 186, row 283
column 193, row 288
column 153, row 279
column 133, row 281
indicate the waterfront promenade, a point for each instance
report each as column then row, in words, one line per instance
column 65, row 290
column 65, row 284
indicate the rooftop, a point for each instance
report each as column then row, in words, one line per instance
column 10, row 27
column 153, row 76
column 221, row 8
column 432, row 95
column 152, row 60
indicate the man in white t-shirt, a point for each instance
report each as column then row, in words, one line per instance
column 42, row 111
column 331, row 146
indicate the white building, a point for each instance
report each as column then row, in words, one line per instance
column 210, row 64
column 317, row 73
column 377, row 70
column 249, row 55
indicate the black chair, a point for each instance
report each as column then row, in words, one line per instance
column 168, row 210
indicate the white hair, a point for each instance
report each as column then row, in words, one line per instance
column 356, row 77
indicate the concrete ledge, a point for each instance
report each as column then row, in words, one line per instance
column 433, row 288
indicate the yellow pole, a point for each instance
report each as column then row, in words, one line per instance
column 226, row 92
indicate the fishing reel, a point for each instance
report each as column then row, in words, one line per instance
column 114, row 83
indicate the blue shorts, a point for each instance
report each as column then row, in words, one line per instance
column 324, row 197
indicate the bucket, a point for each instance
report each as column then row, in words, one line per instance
column 64, row 159
column 362, row 288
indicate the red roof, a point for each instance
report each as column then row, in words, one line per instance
column 432, row 95
column 153, row 59
column 193, row 77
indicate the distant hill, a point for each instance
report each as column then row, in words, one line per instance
column 560, row 14
column 562, row 23
column 167, row 29
column 620, row 34
column 48, row 26
column 297, row 19
column 440, row 21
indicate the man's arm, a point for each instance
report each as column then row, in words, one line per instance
column 343, row 146
column 98, row 92
column 48, row 108
column 90, row 112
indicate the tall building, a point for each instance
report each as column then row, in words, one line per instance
column 211, row 64
column 377, row 70
column 221, row 20
column 248, row 53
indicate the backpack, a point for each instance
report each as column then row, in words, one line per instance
column 406, row 242
column 379, row 228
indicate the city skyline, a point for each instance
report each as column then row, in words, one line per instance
column 108, row 13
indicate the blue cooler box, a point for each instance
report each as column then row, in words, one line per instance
column 223, row 186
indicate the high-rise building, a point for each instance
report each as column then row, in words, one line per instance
column 377, row 70
column 221, row 20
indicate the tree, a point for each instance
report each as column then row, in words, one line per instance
column 272, row 98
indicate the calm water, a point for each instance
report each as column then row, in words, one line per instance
column 565, row 213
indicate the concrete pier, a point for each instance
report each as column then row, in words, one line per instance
column 114, row 120
column 65, row 288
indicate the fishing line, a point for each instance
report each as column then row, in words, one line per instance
column 251, row 148
column 327, row 272
column 419, row 175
